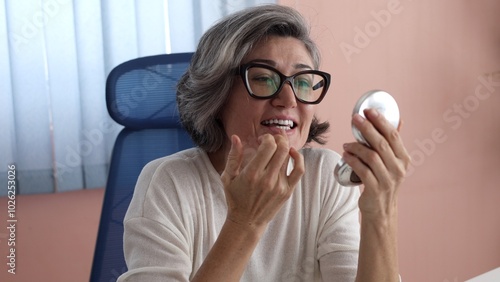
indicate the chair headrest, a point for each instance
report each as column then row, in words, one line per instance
column 141, row 93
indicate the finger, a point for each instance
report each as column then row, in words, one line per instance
column 399, row 148
column 366, row 162
column 361, row 169
column 385, row 140
column 234, row 160
column 390, row 134
column 400, row 125
column 279, row 161
column 298, row 168
column 265, row 150
column 398, row 145
column 374, row 135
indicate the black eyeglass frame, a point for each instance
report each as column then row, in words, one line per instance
column 283, row 78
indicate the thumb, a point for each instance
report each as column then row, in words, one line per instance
column 234, row 159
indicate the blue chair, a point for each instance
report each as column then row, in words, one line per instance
column 140, row 95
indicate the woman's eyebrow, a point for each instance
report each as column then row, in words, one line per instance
column 302, row 66
column 274, row 64
column 264, row 61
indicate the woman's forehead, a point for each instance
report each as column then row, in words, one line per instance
column 280, row 50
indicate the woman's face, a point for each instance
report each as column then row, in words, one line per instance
column 250, row 118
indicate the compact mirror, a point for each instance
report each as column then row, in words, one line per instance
column 386, row 105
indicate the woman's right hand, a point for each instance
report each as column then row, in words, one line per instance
column 257, row 185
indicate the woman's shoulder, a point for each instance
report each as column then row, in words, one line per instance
column 169, row 181
column 177, row 161
column 185, row 167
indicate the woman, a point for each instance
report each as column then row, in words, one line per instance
column 251, row 202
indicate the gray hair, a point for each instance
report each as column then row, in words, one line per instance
column 204, row 88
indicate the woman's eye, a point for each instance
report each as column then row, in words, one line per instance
column 266, row 80
column 263, row 79
column 303, row 84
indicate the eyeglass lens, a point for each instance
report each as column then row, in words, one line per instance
column 265, row 82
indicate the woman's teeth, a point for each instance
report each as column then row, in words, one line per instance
column 284, row 124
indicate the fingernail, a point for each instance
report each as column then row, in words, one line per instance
column 373, row 112
column 346, row 156
column 358, row 118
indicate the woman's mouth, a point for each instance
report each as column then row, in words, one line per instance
column 284, row 124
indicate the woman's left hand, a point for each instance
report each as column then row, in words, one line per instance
column 382, row 167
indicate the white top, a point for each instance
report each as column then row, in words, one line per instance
column 493, row 275
column 179, row 207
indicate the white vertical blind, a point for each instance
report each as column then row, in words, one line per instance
column 54, row 59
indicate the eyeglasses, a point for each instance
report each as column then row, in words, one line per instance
column 265, row 82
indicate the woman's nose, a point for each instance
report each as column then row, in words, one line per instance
column 286, row 97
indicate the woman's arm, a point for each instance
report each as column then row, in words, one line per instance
column 382, row 169
column 378, row 254
column 230, row 253
column 254, row 192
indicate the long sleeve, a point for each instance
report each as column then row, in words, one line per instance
column 179, row 207
column 338, row 244
column 173, row 219
column 338, row 234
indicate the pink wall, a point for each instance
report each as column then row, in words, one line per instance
column 429, row 54
column 55, row 236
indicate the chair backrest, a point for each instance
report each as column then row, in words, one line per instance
column 141, row 95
